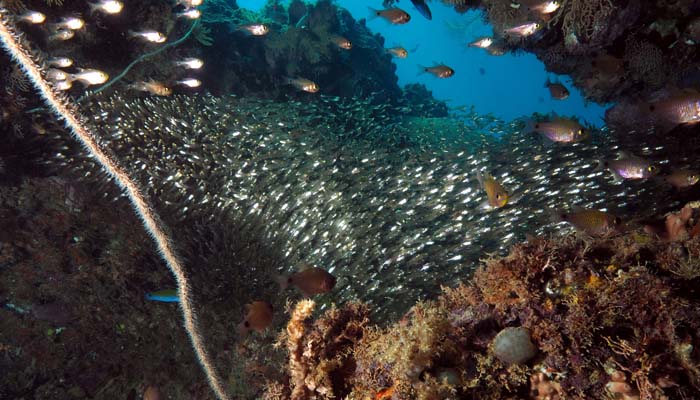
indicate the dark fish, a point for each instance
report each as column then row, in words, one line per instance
column 557, row 90
column 394, row 15
column 422, row 8
column 440, row 70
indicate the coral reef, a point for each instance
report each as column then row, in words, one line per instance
column 299, row 44
column 586, row 318
column 73, row 323
column 612, row 50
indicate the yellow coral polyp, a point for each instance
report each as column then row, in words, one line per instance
column 594, row 282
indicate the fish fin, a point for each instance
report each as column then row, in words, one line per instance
column 486, row 206
column 373, row 13
column 480, row 178
column 422, row 69
column 547, row 142
column 283, row 281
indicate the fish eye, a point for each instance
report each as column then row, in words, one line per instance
column 651, row 168
column 498, row 196
column 580, row 132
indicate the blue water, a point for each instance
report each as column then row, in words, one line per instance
column 510, row 87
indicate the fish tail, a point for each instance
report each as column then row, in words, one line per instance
column 373, row 13
column 242, row 330
column 558, row 216
column 286, row 80
column 480, row 178
column 530, row 126
column 422, row 69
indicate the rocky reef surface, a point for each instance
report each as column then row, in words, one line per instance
column 554, row 319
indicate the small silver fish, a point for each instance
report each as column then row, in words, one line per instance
column 190, row 63
column 33, row 17
column 60, row 62
column 61, row 35
column 149, row 36
column 89, row 77
column 192, row 13
column 482, row 42
column 107, row 6
column 524, row 30
column 71, row 23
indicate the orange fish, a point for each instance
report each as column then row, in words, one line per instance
column 384, row 393
column 394, row 15
column 310, row 281
column 302, row 84
column 497, row 196
column 592, row 222
column 557, row 90
column 153, row 87
column 440, row 70
column 398, row 52
column 341, row 42
column 562, row 130
column 682, row 178
column 258, row 317
column 254, row 29
column 682, row 108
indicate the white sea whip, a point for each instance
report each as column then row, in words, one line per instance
column 60, row 105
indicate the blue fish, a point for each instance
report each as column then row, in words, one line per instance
column 167, row 296
column 422, row 8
